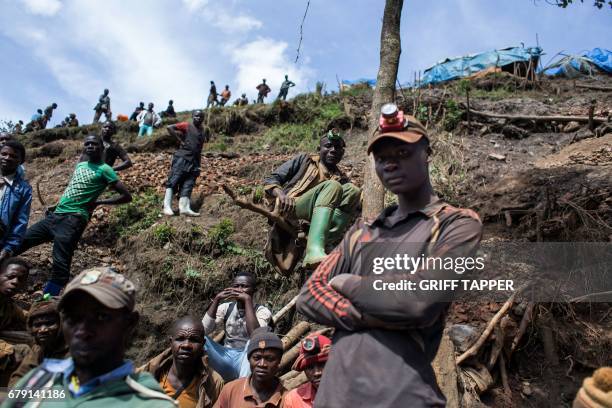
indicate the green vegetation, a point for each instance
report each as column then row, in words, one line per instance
column 136, row 216
column 453, row 115
column 163, row 233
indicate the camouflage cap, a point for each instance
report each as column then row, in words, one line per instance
column 108, row 287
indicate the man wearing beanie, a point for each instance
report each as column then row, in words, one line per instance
column 45, row 326
column 262, row 388
column 98, row 320
column 313, row 356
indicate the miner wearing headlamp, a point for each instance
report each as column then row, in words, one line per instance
column 398, row 331
column 313, row 356
column 311, row 188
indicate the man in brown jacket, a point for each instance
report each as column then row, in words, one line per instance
column 182, row 370
column 45, row 326
column 396, row 332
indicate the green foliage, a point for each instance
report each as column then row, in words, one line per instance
column 290, row 137
column 6, row 125
column 140, row 214
column 219, row 235
column 597, row 3
column 163, row 233
column 259, row 194
column 453, row 114
column 464, row 85
column 422, row 113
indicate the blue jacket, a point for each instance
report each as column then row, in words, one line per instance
column 15, row 211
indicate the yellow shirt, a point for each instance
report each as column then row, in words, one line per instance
column 188, row 398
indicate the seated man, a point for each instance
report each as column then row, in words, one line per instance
column 169, row 112
column 45, row 326
column 226, row 94
column 262, row 388
column 66, row 224
column 314, row 352
column 182, row 370
column 15, row 197
column 72, row 120
column 13, row 279
column 242, row 101
column 112, row 149
column 98, row 321
column 239, row 317
column 311, row 188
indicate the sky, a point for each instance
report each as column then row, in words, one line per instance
column 68, row 51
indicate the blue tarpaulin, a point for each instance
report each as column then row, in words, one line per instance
column 370, row 82
column 465, row 66
column 588, row 63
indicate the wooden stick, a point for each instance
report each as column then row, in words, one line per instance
column 273, row 216
column 594, row 87
column 583, row 119
column 279, row 315
column 591, row 113
column 487, row 331
column 289, row 375
column 522, row 327
column 504, row 376
column 497, row 347
column 295, row 334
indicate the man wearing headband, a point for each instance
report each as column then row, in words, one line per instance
column 98, row 321
column 313, row 356
column 396, row 331
column 311, row 188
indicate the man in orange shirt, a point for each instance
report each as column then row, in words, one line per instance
column 226, row 94
column 313, row 356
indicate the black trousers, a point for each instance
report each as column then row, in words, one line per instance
column 64, row 230
column 183, row 175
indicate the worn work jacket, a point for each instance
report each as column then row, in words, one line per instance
column 210, row 382
column 36, row 356
column 395, row 365
column 15, row 211
column 294, row 177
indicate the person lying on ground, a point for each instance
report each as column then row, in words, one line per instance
column 284, row 90
column 137, row 111
column 45, row 326
column 186, row 163
column 262, row 388
column 13, row 280
column 226, row 94
column 314, row 189
column 242, row 101
column 103, row 107
column 98, row 322
column 314, row 353
column 15, row 197
column 148, row 119
column 233, row 310
column 169, row 112
column 65, row 225
column 182, row 370
column 398, row 331
column 262, row 91
column 112, row 149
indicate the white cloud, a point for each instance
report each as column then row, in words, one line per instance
column 267, row 58
column 224, row 15
column 43, row 7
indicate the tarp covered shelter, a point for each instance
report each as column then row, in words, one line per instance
column 595, row 61
column 518, row 60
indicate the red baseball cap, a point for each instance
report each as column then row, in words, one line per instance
column 412, row 133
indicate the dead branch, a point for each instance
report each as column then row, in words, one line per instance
column 279, row 315
column 297, row 56
column 594, row 87
column 504, row 376
column 522, row 327
column 536, row 118
column 487, row 331
column 273, row 216
column 294, row 334
column 498, row 345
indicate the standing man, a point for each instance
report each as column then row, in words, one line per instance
column 212, row 95
column 98, row 321
column 182, row 370
column 148, row 120
column 137, row 111
column 15, row 198
column 398, row 331
column 112, row 149
column 234, row 310
column 66, row 224
column 185, row 163
column 312, row 188
column 314, row 353
column 285, row 88
column 226, row 94
column 262, row 388
column 48, row 113
column 169, row 112
column 262, row 91
column 103, row 107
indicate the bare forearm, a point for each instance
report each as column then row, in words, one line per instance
column 124, row 165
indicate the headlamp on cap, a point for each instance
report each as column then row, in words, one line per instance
column 391, row 119
column 333, row 134
column 311, row 345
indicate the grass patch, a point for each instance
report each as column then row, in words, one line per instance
column 134, row 217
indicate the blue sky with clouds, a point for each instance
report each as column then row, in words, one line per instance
column 67, row 51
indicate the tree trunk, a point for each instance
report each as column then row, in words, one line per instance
column 390, row 49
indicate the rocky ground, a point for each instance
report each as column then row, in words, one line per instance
column 529, row 181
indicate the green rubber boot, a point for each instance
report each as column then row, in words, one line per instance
column 339, row 224
column 317, row 235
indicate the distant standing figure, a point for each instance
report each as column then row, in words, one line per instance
column 226, row 94
column 48, row 113
column 103, row 107
column 137, row 111
column 18, row 129
column 285, row 88
column 212, row 95
column 148, row 119
column 263, row 90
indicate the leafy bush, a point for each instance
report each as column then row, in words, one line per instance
column 453, row 115
column 163, row 233
column 136, row 216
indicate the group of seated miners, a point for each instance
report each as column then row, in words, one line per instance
column 77, row 346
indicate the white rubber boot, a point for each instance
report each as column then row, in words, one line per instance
column 184, row 208
column 168, row 202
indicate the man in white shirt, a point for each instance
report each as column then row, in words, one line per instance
column 234, row 310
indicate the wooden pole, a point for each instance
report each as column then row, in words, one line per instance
column 279, row 315
column 295, row 334
column 591, row 113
